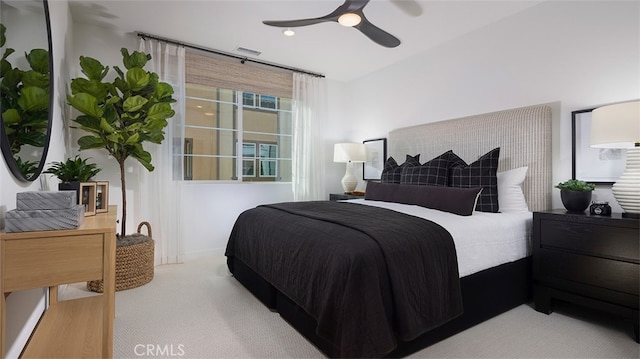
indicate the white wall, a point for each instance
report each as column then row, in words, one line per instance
column 24, row 307
column 583, row 54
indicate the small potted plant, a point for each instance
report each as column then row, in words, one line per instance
column 575, row 194
column 72, row 173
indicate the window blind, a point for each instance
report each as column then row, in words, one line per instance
column 217, row 71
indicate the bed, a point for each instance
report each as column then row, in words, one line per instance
column 357, row 278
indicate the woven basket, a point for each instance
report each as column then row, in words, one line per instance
column 134, row 265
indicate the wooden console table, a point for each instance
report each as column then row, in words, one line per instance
column 70, row 328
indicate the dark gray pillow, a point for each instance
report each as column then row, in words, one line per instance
column 481, row 173
column 459, row 201
column 392, row 172
column 431, row 173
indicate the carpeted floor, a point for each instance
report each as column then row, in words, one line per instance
column 197, row 310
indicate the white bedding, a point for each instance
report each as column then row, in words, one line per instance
column 483, row 240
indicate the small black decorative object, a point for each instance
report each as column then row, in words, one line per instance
column 600, row 208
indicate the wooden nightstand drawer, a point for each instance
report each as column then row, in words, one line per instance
column 588, row 260
column 614, row 275
column 592, row 240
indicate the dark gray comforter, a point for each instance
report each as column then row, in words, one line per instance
column 368, row 275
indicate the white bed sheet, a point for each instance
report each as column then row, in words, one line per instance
column 483, row 240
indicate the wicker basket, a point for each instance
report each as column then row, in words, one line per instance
column 134, row 265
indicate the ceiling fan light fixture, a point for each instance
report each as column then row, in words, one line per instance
column 349, row 19
column 288, row 32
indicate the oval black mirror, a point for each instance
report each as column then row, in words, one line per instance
column 26, row 86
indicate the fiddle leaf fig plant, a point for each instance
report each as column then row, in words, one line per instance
column 121, row 114
column 24, row 97
column 576, row 185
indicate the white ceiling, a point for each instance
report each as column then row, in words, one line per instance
column 340, row 53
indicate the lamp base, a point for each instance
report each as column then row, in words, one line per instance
column 349, row 181
column 627, row 189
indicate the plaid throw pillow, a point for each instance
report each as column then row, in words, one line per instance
column 481, row 173
column 392, row 172
column 433, row 173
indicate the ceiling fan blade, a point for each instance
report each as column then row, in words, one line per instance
column 376, row 34
column 348, row 6
column 295, row 23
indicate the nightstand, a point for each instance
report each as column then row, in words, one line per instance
column 343, row 196
column 589, row 260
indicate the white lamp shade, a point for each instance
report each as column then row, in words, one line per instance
column 616, row 126
column 349, row 152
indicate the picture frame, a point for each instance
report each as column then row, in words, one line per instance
column 88, row 198
column 376, row 154
column 102, row 196
column 593, row 165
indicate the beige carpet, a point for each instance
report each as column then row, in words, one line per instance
column 196, row 310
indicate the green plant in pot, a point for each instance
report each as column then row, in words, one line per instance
column 122, row 114
column 72, row 172
column 575, row 194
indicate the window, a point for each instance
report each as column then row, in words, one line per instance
column 220, row 123
column 238, row 119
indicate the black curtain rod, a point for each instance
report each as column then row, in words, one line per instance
column 218, row 52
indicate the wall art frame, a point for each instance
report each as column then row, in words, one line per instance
column 376, row 154
column 593, row 165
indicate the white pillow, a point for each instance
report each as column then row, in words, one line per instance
column 510, row 196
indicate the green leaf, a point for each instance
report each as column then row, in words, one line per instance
column 39, row 60
column 34, row 78
column 33, row 99
column 160, row 111
column 88, row 123
column 94, row 88
column 86, row 104
column 134, row 103
column 88, row 142
column 136, row 59
column 92, row 68
column 106, row 127
column 135, row 138
column 143, row 157
column 164, row 91
column 137, row 78
column 8, row 51
column 11, row 116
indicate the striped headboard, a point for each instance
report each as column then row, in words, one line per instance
column 523, row 135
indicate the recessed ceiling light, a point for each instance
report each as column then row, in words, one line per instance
column 288, row 32
column 199, row 106
column 349, row 19
column 208, row 113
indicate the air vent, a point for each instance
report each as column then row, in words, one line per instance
column 246, row 51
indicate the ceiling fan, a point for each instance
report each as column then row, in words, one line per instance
column 348, row 14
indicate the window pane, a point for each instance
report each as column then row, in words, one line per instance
column 268, row 102
column 213, row 168
column 249, row 150
column 268, row 168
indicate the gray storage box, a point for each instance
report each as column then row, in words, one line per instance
column 27, row 201
column 44, row 219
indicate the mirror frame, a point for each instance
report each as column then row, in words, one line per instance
column 6, row 148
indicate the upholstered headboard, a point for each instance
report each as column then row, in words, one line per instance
column 523, row 135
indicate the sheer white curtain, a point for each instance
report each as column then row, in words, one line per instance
column 309, row 111
column 159, row 201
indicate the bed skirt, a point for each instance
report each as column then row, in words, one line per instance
column 485, row 294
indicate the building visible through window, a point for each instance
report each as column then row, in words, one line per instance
column 235, row 135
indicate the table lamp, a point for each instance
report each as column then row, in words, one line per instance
column 618, row 126
column 349, row 153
